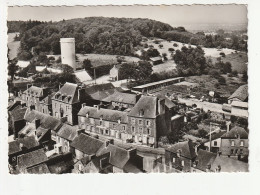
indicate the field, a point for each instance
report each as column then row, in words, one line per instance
column 237, row 60
column 213, row 52
column 104, row 59
column 204, row 84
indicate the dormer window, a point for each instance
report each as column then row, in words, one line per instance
column 141, row 112
column 232, row 143
column 241, row 143
column 87, row 115
column 119, row 120
column 179, row 153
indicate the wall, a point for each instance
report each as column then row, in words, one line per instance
column 178, row 161
column 114, row 73
column 226, row 147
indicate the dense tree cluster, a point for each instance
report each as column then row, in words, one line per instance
column 190, row 61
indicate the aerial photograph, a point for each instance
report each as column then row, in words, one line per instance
column 127, row 89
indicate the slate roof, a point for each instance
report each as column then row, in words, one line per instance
column 39, row 169
column 30, row 159
column 241, row 93
column 67, row 132
column 169, row 103
column 118, row 156
column 101, row 87
column 186, row 148
column 100, row 95
column 47, row 99
column 97, row 161
column 217, row 135
column 36, row 91
column 147, row 104
column 70, row 92
column 205, row 158
column 229, row 164
column 82, row 75
column 239, row 104
column 28, row 143
column 46, row 121
column 86, row 144
column 156, row 58
column 18, row 113
column 121, row 97
column 234, row 132
column 106, row 114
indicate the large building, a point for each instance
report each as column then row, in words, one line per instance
column 68, row 54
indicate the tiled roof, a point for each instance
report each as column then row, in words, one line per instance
column 229, row 165
column 37, row 91
column 100, row 95
column 39, row 169
column 147, row 104
column 241, row 93
column 234, row 132
column 121, row 97
column 46, row 121
column 216, row 135
column 101, row 87
column 105, row 114
column 86, row 144
column 82, row 75
column 28, row 143
column 205, row 158
column 18, row 114
column 186, row 149
column 67, row 93
column 67, row 132
column 118, row 156
column 30, row 159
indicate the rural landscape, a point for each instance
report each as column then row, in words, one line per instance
column 126, row 95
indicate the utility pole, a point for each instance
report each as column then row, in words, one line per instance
column 95, row 76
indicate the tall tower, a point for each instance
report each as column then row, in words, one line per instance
column 67, row 46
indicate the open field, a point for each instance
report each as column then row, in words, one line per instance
column 205, row 83
column 104, row 59
column 237, row 60
column 13, row 45
column 213, row 52
column 166, row 66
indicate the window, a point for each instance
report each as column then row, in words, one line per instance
column 133, row 129
column 91, row 120
column 100, row 122
column 82, row 119
column 133, row 121
column 215, row 143
column 123, row 127
column 148, row 123
column 241, row 151
column 140, row 122
column 148, row 131
column 242, row 143
column 231, row 151
column 141, row 112
column 107, row 132
column 114, row 125
column 232, row 143
column 182, row 163
column 173, row 160
column 140, row 129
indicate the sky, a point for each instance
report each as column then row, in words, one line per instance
column 173, row 15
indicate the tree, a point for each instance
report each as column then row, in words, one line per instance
column 144, row 71
column 87, row 65
column 12, row 68
column 245, row 76
column 164, row 55
column 128, row 71
column 175, row 45
column 202, row 133
column 171, row 50
column 25, row 55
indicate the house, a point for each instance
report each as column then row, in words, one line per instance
column 241, row 94
column 67, row 102
column 122, row 100
column 147, row 121
column 30, row 160
column 65, row 136
column 215, row 144
column 82, row 76
column 39, row 169
column 156, row 60
column 33, row 95
column 21, row 146
column 181, row 156
column 85, row 146
column 38, row 121
column 123, row 160
column 204, row 161
column 16, row 120
column 114, row 72
column 98, row 164
column 234, row 143
column 100, row 121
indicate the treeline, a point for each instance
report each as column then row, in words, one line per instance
column 92, row 35
column 21, row 26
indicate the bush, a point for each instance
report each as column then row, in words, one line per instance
column 222, row 54
column 222, row 80
column 202, row 133
column 175, row 45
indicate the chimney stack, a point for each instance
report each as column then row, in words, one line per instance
column 83, row 105
column 37, row 123
column 132, row 152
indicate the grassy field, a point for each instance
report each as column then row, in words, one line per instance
column 104, row 59
column 238, row 61
column 205, row 83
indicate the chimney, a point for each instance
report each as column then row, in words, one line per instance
column 107, row 143
column 23, row 104
column 37, row 123
column 132, row 152
column 196, row 149
column 81, row 93
column 111, row 141
column 64, row 119
column 83, row 105
column 160, row 106
column 228, row 123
